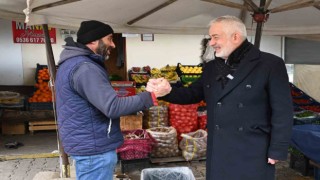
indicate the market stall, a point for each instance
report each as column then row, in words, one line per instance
column 306, row 138
column 306, row 131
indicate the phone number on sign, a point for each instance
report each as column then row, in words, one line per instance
column 32, row 40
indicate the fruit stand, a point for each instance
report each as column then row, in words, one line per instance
column 166, row 122
column 306, row 113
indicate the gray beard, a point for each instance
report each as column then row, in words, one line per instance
column 106, row 57
column 102, row 50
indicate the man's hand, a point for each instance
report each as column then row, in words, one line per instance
column 160, row 87
column 272, row 161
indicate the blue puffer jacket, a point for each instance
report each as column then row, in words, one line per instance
column 88, row 108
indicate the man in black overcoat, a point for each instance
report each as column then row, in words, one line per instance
column 249, row 105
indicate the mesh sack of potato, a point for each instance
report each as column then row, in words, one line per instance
column 184, row 118
column 156, row 116
column 194, row 144
column 166, row 142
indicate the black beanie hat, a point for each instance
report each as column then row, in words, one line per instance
column 92, row 30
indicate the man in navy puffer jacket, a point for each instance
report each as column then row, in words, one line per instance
column 88, row 108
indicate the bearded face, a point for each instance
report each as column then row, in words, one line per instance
column 224, row 50
column 103, row 50
column 222, row 41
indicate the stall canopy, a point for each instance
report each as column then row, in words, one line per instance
column 283, row 17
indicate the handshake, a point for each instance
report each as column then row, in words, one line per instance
column 160, row 87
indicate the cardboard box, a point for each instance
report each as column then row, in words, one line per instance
column 13, row 128
column 131, row 122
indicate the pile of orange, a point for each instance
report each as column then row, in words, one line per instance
column 43, row 92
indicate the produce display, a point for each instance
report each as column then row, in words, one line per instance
column 167, row 72
column 144, row 69
column 189, row 73
column 140, row 78
column 185, row 73
column 166, row 142
column 190, row 69
column 194, row 144
column 43, row 92
column 306, row 108
column 139, row 75
column 305, row 114
column 300, row 98
column 168, row 68
column 156, row 116
column 182, row 119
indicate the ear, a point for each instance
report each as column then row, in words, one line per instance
column 235, row 36
column 93, row 45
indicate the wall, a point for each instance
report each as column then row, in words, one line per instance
column 11, row 70
column 186, row 49
column 36, row 53
column 165, row 49
column 18, row 61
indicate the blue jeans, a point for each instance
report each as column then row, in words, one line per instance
column 96, row 167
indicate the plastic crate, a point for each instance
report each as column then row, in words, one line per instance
column 187, row 77
column 176, row 173
column 41, row 106
column 180, row 73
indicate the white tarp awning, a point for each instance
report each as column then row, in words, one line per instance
column 164, row 16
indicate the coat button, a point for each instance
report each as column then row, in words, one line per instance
column 208, row 85
column 240, row 105
column 248, row 86
column 219, row 104
column 217, row 127
column 240, row 128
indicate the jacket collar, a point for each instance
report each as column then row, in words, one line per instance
column 246, row 66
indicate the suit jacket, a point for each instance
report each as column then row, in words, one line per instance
column 248, row 121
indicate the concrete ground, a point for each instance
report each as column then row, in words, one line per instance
column 35, row 161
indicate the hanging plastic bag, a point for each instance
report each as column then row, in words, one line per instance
column 209, row 53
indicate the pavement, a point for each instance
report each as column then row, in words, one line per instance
column 37, row 159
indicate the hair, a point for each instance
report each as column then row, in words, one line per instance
column 232, row 24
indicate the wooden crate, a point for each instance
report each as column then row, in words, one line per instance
column 13, row 128
column 13, row 122
column 131, row 122
column 42, row 125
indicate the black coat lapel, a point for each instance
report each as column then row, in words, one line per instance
column 245, row 67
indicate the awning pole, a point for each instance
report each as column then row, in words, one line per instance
column 52, row 71
column 258, row 35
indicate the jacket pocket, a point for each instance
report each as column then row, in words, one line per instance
column 264, row 129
